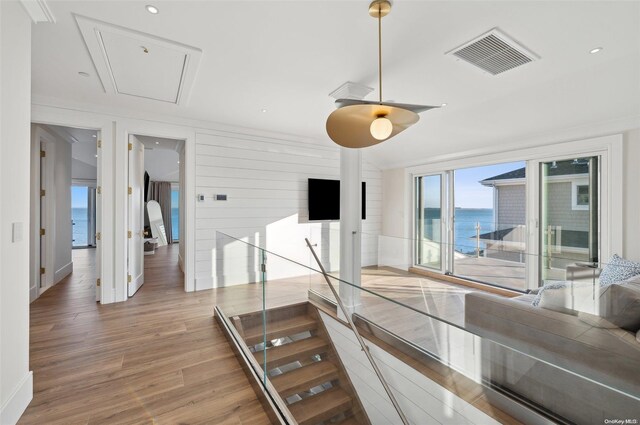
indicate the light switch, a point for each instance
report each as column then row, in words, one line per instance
column 16, row 232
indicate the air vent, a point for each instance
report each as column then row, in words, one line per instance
column 494, row 52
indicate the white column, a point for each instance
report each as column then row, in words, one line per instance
column 350, row 224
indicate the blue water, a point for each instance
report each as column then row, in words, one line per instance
column 81, row 230
column 465, row 226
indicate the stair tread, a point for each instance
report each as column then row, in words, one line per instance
column 288, row 353
column 304, row 378
column 280, row 329
column 320, row 406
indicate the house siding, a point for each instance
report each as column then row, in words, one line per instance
column 560, row 209
column 511, row 206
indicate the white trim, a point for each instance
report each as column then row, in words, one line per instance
column 574, row 195
column 63, row 272
column 18, row 401
column 84, row 182
column 39, row 11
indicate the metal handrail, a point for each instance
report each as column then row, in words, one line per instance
column 376, row 369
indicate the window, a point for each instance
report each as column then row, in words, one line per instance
column 83, row 216
column 580, row 195
column 175, row 214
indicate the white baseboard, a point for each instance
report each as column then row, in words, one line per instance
column 63, row 272
column 18, row 401
column 135, row 284
column 33, row 294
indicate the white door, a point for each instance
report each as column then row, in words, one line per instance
column 136, row 215
column 98, row 222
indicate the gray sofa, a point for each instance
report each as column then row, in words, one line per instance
column 558, row 361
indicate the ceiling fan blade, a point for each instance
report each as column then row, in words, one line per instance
column 350, row 126
column 340, row 103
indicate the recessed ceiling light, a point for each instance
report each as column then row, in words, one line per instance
column 152, row 9
column 443, row 105
column 96, row 156
column 84, row 74
column 93, row 135
column 595, row 50
column 178, row 162
column 263, row 110
column 157, row 143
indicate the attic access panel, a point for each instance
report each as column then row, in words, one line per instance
column 133, row 63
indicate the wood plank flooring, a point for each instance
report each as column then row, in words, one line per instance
column 158, row 358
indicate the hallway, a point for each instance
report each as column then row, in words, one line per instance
column 157, row 358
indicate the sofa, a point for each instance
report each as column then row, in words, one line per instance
column 563, row 362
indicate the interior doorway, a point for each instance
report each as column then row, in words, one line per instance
column 65, row 209
column 155, row 203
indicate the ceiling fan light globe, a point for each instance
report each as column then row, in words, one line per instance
column 381, row 128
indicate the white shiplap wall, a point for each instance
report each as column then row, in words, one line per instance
column 265, row 181
column 422, row 400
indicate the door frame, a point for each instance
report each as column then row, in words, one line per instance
column 104, row 128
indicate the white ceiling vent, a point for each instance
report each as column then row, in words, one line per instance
column 494, row 52
column 132, row 63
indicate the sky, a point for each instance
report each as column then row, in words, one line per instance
column 468, row 192
column 78, row 197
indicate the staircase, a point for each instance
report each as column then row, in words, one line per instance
column 302, row 365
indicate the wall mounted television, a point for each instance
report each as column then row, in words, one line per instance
column 324, row 200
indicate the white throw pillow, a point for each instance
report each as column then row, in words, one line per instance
column 574, row 297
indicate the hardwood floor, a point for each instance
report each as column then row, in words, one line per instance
column 158, row 358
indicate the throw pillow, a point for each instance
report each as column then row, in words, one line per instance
column 618, row 269
column 569, row 297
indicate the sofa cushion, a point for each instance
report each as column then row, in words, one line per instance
column 621, row 305
column 618, row 269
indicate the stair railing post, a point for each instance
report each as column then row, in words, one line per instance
column 347, row 315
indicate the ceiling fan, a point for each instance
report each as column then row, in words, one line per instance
column 363, row 123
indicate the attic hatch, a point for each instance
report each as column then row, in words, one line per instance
column 133, row 63
column 494, row 52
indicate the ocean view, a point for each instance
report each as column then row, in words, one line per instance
column 81, row 229
column 465, row 226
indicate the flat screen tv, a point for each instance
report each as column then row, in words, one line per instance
column 324, row 200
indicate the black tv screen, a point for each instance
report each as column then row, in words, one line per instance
column 324, row 199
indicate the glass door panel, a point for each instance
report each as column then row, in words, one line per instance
column 490, row 224
column 429, row 216
column 569, row 221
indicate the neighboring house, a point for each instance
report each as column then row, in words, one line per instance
column 567, row 212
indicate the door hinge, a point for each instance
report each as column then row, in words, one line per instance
column 130, row 146
column 42, row 192
column 99, row 143
column 129, row 234
column 42, row 270
column 98, row 282
column 99, row 190
column 129, row 278
column 98, row 235
column 130, row 190
column 263, row 268
column 42, row 232
column 43, row 154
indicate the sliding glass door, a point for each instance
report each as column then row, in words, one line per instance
column 83, row 216
column 429, row 221
column 489, row 232
column 569, row 219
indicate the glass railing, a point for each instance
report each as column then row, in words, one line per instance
column 567, row 353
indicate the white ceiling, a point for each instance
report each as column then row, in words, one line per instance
column 83, row 142
column 161, row 158
column 287, row 57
